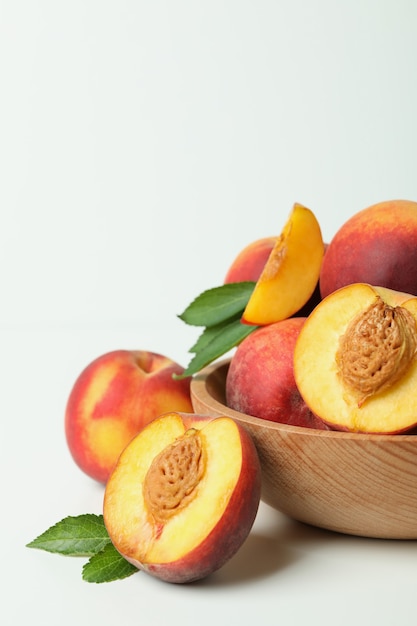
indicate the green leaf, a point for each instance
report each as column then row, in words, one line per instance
column 215, row 342
column 84, row 535
column 107, row 566
column 209, row 333
column 218, row 304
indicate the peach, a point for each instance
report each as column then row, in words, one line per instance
column 260, row 380
column 377, row 245
column 113, row 398
column 183, row 496
column 291, row 273
column 314, row 299
column 250, row 261
column 311, row 303
column 355, row 360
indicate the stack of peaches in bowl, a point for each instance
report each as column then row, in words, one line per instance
column 315, row 411
column 326, row 382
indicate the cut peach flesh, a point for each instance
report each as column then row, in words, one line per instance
column 391, row 410
column 144, row 541
column 291, row 272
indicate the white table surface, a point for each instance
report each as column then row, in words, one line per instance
column 142, row 146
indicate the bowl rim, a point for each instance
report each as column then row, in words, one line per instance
column 199, row 389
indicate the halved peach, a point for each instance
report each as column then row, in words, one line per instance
column 291, row 272
column 183, row 496
column 355, row 360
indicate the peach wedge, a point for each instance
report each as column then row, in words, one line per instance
column 355, row 360
column 184, row 496
column 291, row 272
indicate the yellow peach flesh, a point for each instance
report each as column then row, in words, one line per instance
column 214, row 491
column 126, row 511
column 143, row 540
column 318, row 378
column 291, row 272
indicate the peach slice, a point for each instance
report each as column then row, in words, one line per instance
column 355, row 360
column 183, row 496
column 291, row 272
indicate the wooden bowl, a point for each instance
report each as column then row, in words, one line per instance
column 352, row 483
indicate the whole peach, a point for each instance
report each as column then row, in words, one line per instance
column 113, row 398
column 377, row 245
column 260, row 380
column 250, row 261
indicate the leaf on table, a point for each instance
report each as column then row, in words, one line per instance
column 83, row 535
column 86, row 535
column 107, row 566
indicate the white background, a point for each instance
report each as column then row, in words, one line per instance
column 142, row 145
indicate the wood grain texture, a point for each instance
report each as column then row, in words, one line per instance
column 352, row 483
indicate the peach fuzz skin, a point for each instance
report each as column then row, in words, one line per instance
column 377, row 245
column 115, row 396
column 250, row 261
column 202, row 536
column 260, row 380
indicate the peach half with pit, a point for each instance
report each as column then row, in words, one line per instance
column 183, row 496
column 291, row 272
column 115, row 396
column 377, row 245
column 260, row 379
column 355, row 360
